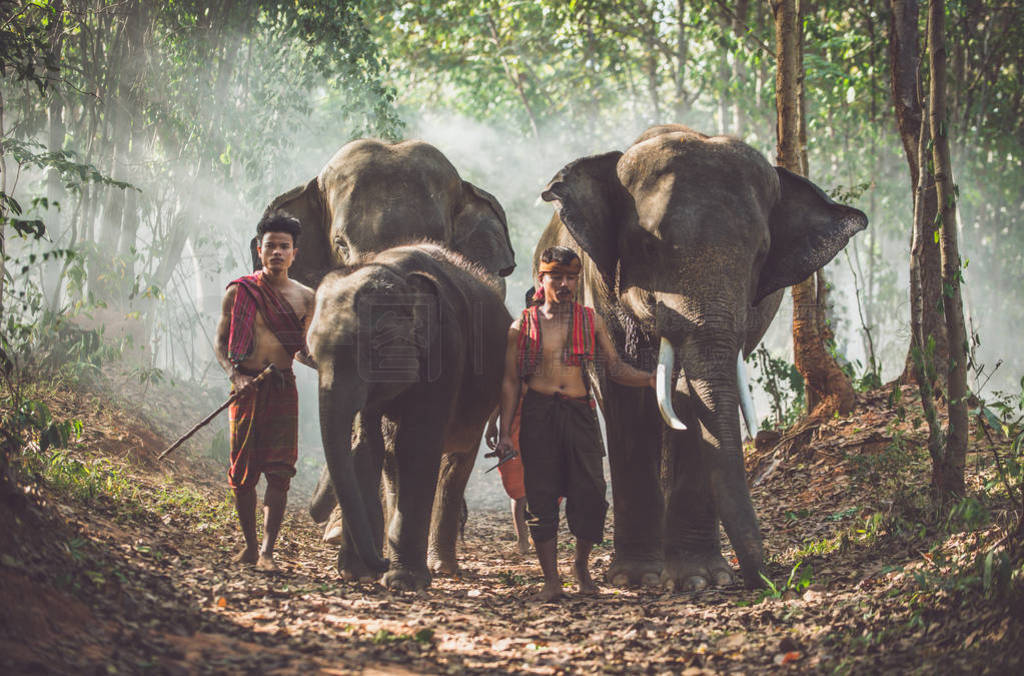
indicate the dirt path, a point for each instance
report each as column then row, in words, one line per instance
column 143, row 583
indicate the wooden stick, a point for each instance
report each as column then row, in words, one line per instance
column 185, row 437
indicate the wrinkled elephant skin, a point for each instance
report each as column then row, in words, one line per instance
column 372, row 196
column 690, row 238
column 410, row 342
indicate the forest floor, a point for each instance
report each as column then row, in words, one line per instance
column 121, row 564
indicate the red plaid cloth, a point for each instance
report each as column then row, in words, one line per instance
column 264, row 431
column 255, row 293
column 579, row 350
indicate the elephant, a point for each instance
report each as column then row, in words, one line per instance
column 688, row 242
column 412, row 341
column 372, row 196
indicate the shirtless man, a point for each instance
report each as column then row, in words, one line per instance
column 264, row 317
column 559, row 439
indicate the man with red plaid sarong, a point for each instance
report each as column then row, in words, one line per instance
column 559, row 440
column 264, row 317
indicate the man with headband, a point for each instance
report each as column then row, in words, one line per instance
column 549, row 346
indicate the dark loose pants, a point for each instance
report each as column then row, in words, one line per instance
column 560, row 443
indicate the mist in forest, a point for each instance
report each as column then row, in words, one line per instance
column 184, row 234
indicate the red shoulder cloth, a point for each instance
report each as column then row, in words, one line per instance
column 256, row 294
column 579, row 349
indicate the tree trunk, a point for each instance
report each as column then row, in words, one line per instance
column 828, row 389
column 904, row 54
column 739, row 75
column 55, row 193
column 102, row 283
column 682, row 102
column 3, row 211
column 948, row 472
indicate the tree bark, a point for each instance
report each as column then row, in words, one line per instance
column 948, row 471
column 739, row 22
column 55, row 193
column 828, row 389
column 3, row 214
column 682, row 102
column 905, row 62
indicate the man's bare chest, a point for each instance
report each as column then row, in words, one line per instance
column 296, row 301
column 554, row 335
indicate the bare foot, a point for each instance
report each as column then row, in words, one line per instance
column 584, row 584
column 266, row 563
column 248, row 556
column 551, row 592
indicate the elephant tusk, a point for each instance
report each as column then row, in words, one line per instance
column 663, row 385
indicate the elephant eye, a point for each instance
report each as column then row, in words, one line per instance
column 342, row 247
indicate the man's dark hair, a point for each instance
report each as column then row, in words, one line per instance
column 279, row 221
column 558, row 254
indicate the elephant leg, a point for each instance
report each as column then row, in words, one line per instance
column 446, row 520
column 389, row 489
column 634, row 454
column 693, row 558
column 368, row 456
column 418, row 458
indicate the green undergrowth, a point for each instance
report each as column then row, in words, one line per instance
column 920, row 562
column 106, row 483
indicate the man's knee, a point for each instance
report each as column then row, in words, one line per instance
column 243, row 491
column 543, row 526
column 278, row 482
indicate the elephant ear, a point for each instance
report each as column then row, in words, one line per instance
column 807, row 230
column 254, row 244
column 481, row 231
column 426, row 317
column 306, row 203
column 595, row 207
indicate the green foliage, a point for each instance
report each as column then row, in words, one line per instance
column 510, row 578
column 82, row 480
column 783, row 383
column 45, row 344
column 26, row 422
column 818, row 547
column 384, row 636
column 1004, row 415
column 25, row 55
column 794, row 585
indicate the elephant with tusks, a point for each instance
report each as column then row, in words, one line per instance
column 688, row 242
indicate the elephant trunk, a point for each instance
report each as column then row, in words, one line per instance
column 718, row 402
column 323, row 500
column 337, row 413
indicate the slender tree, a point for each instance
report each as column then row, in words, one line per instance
column 828, row 389
column 948, row 467
column 925, row 270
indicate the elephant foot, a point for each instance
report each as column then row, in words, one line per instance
column 406, row 579
column 334, row 534
column 696, row 572
column 352, row 569
column 443, row 566
column 624, row 572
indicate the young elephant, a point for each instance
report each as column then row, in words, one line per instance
column 411, row 342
